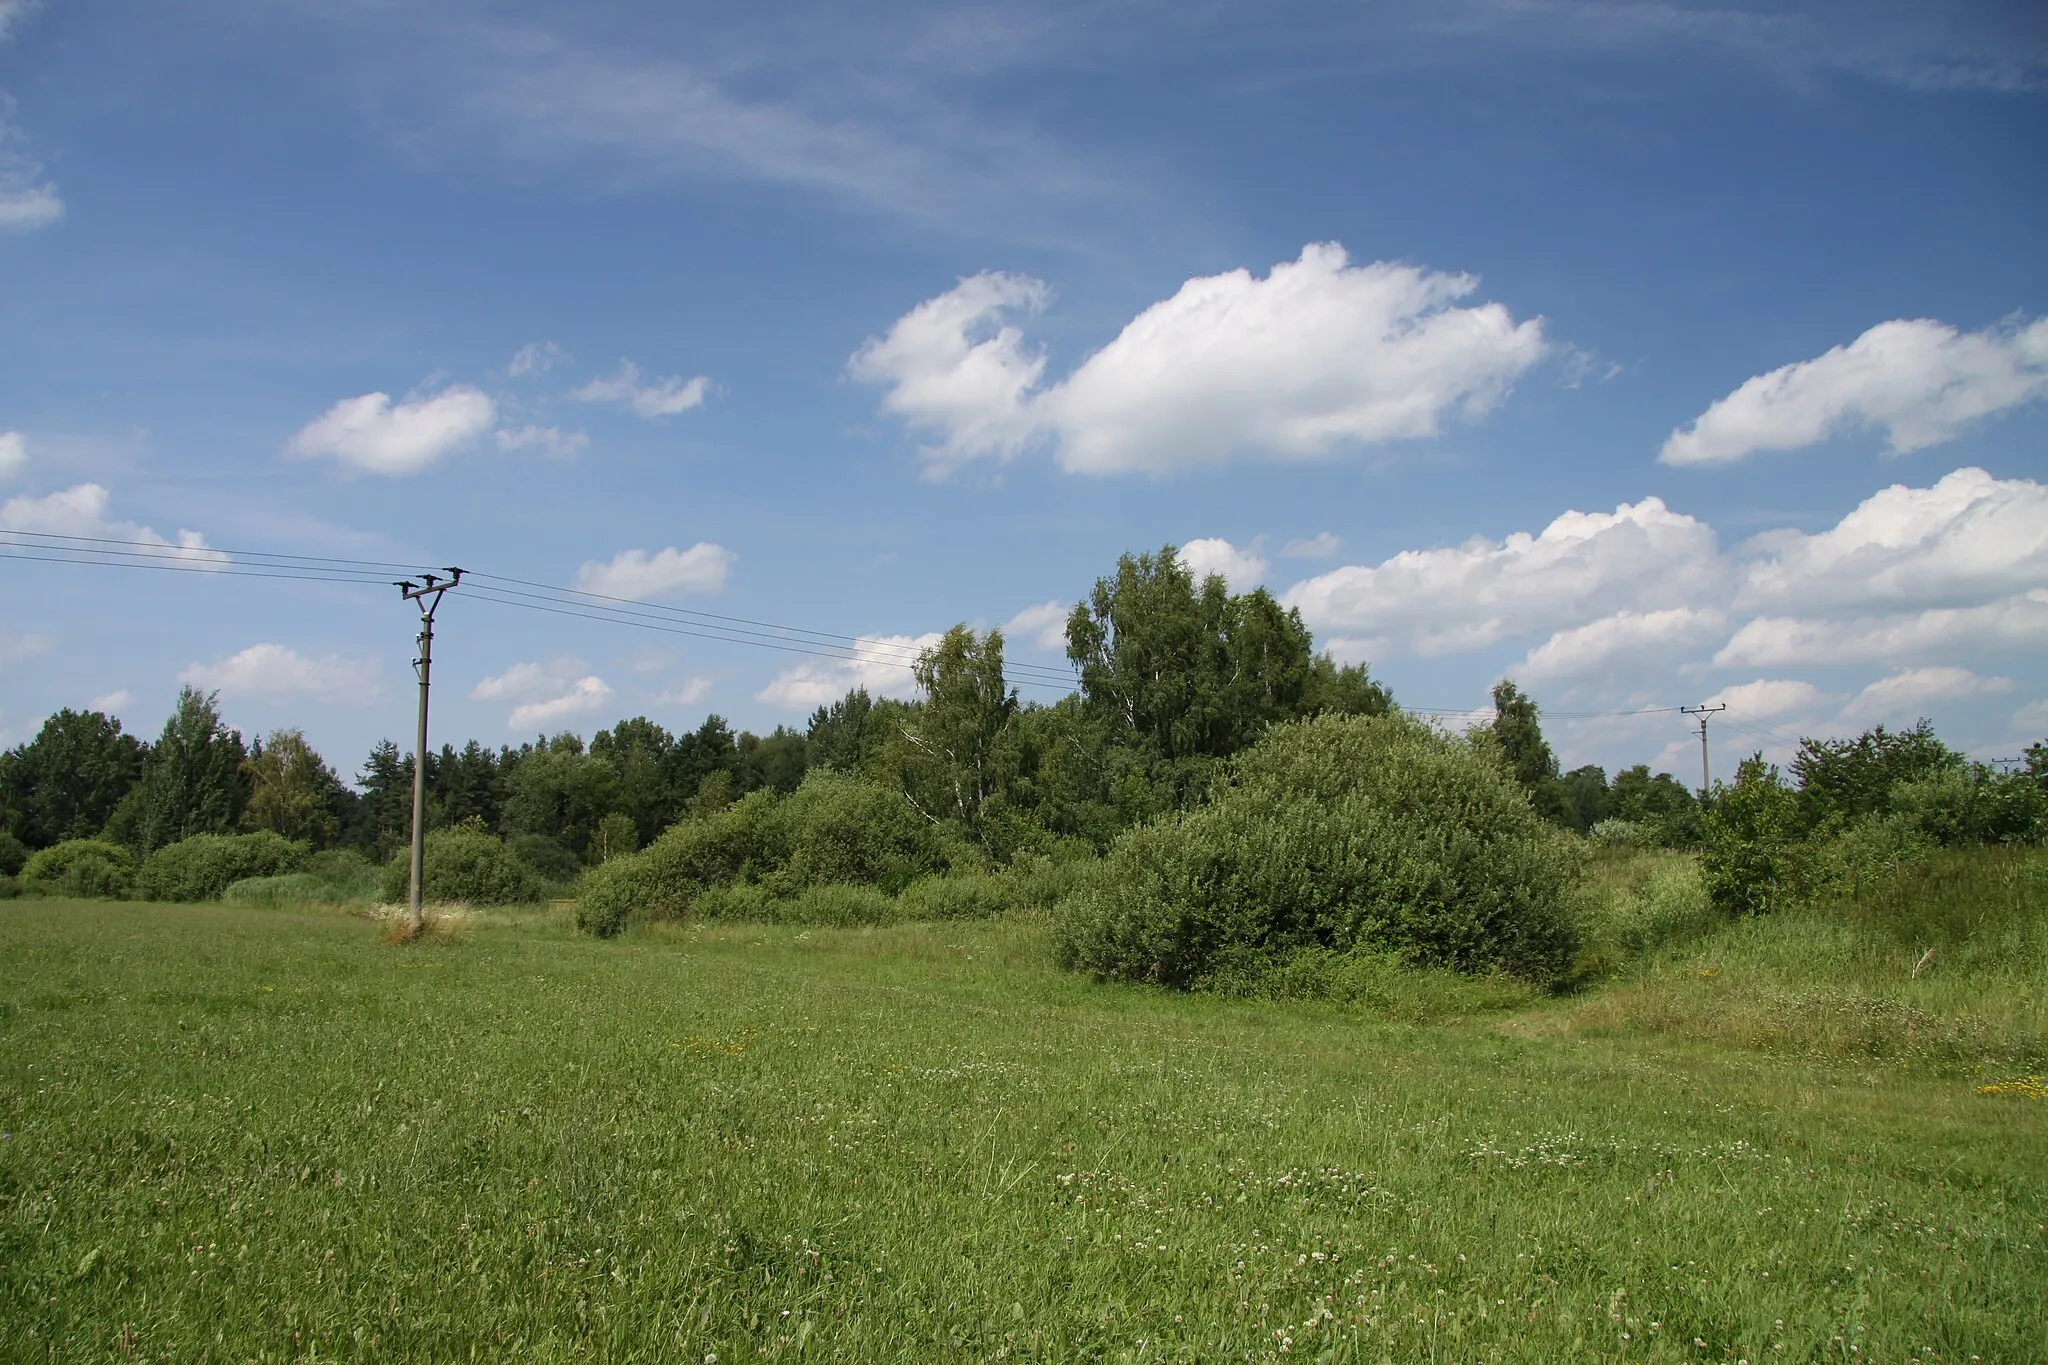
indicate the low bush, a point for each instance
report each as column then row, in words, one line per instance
column 331, row 877
column 202, row 867
column 13, row 853
column 1621, row 834
column 835, row 904
column 973, row 895
column 834, row 830
column 466, row 864
column 1637, row 903
column 1344, row 834
column 1379, row 983
column 90, row 868
column 10, row 888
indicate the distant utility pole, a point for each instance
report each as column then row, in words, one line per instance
column 427, row 592
column 1702, row 711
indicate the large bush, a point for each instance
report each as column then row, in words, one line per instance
column 467, row 864
column 1375, row 834
column 91, row 868
column 13, row 853
column 204, row 866
column 833, row 830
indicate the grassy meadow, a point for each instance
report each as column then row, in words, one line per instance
column 231, row 1132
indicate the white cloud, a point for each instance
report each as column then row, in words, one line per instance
column 27, row 201
column 1241, row 569
column 634, row 574
column 663, row 398
column 1044, row 625
column 2032, row 718
column 952, row 369
column 691, row 692
column 1624, row 639
column 881, row 664
column 13, row 454
column 117, row 700
column 2016, row 624
column 546, row 692
column 275, row 673
column 1318, row 355
column 82, row 511
column 373, row 434
column 1968, row 537
column 1321, row 545
column 1908, row 693
column 552, row 442
column 15, row 648
column 1921, row 381
column 535, row 357
column 1640, row 558
column 1771, row 698
column 585, row 695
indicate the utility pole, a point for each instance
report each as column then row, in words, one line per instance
column 1702, row 711
column 427, row 592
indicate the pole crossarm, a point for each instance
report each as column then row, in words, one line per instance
column 1702, row 711
column 427, row 593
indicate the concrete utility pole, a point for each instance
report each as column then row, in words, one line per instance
column 1702, row 711
column 427, row 592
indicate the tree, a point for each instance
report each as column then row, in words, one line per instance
column 1517, row 726
column 562, row 792
column 953, row 766
column 1662, row 804
column 1346, row 690
column 1186, row 675
column 638, row 750
column 1840, row 779
column 292, row 790
column 195, row 781
column 847, row 735
column 383, row 814
column 66, row 782
column 1584, row 797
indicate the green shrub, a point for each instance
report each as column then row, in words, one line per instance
column 1752, row 852
column 1621, row 834
column 90, row 868
column 13, row 853
column 835, row 904
column 1970, row 803
column 973, row 895
column 1344, row 834
column 841, row 829
column 331, row 877
column 1380, row 983
column 466, row 864
column 202, row 867
column 746, row 903
column 551, row 858
column 835, row 829
column 10, row 888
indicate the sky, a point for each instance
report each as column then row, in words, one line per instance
column 1651, row 354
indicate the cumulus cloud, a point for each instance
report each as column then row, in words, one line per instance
column 637, row 575
column 1641, row 558
column 546, row 692
column 1920, row 381
column 1044, row 625
column 1626, row 638
column 1906, row 694
column 117, row 700
column 82, row 511
column 1241, row 569
column 13, row 454
column 535, row 357
column 276, row 673
column 1772, row 698
column 1321, row 545
column 372, row 433
column 2032, row 718
column 662, row 398
column 880, row 663
column 1318, row 355
column 1968, row 537
column 552, row 442
column 2015, row 625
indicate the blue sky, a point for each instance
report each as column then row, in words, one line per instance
column 1648, row 353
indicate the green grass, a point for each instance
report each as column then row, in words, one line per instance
column 245, row 1134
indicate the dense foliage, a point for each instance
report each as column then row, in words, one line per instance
column 1338, row 834
column 204, row 866
column 467, row 864
column 90, row 868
